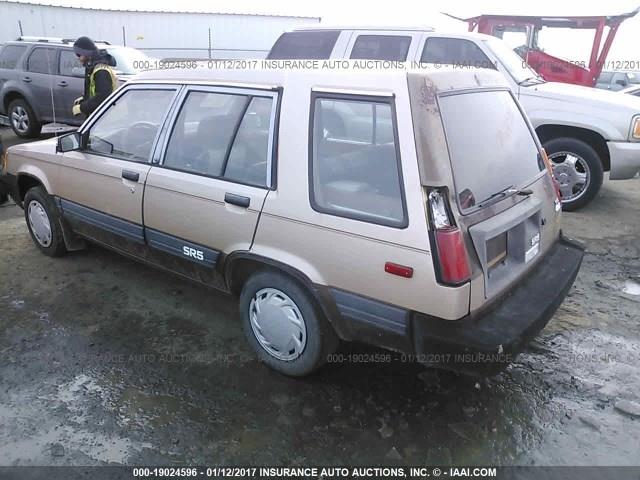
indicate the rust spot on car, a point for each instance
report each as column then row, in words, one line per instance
column 428, row 94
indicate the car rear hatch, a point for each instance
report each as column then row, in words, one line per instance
column 498, row 195
column 504, row 194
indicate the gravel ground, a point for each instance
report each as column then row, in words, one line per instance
column 103, row 360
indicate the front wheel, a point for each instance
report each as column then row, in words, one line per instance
column 578, row 170
column 283, row 324
column 43, row 222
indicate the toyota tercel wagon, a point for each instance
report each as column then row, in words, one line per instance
column 411, row 210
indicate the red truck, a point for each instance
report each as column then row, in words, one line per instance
column 552, row 68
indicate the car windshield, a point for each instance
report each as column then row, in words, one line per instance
column 514, row 64
column 128, row 59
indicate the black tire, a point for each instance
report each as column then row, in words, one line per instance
column 56, row 247
column 321, row 339
column 34, row 126
column 591, row 161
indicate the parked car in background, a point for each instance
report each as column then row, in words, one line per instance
column 585, row 131
column 406, row 224
column 633, row 90
column 617, row 80
column 41, row 77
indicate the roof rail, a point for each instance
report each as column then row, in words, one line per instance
column 27, row 38
column 66, row 41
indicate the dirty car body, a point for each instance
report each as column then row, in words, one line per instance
column 380, row 207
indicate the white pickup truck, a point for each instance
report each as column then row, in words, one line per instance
column 585, row 131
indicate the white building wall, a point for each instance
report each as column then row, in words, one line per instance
column 159, row 34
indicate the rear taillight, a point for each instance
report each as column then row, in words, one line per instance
column 450, row 260
column 547, row 163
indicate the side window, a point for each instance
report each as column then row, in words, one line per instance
column 381, row 47
column 42, row 60
column 128, row 128
column 305, row 45
column 355, row 167
column 69, row 62
column 10, row 55
column 455, row 51
column 222, row 135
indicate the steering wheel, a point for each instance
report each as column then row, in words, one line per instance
column 139, row 138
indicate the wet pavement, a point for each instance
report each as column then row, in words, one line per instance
column 103, row 360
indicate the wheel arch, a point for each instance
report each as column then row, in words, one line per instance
column 28, row 180
column 239, row 266
column 592, row 138
column 15, row 94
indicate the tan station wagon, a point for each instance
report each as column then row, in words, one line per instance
column 411, row 210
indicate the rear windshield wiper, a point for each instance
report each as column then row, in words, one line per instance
column 511, row 190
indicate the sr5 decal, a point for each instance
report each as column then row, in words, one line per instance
column 193, row 253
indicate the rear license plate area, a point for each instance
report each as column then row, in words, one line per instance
column 507, row 244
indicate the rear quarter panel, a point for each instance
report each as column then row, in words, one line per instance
column 344, row 253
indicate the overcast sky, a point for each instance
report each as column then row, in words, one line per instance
column 573, row 45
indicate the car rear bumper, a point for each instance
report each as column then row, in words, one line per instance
column 490, row 340
column 483, row 343
column 625, row 160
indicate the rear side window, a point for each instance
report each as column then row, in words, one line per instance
column 42, row 60
column 455, row 51
column 306, row 45
column 10, row 55
column 223, row 135
column 128, row 128
column 355, row 164
column 490, row 144
column 381, row 47
column 69, row 62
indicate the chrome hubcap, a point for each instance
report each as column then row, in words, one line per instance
column 39, row 222
column 572, row 173
column 20, row 119
column 277, row 324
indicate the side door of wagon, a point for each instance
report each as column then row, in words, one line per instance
column 101, row 186
column 204, row 194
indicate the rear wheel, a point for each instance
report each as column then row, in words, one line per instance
column 43, row 222
column 23, row 119
column 283, row 324
column 578, row 170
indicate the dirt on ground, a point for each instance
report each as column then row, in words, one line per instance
column 103, row 360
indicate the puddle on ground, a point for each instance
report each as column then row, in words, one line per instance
column 631, row 288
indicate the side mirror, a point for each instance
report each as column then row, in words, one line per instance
column 69, row 143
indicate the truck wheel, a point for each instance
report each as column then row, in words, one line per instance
column 578, row 170
column 283, row 324
column 23, row 119
column 43, row 221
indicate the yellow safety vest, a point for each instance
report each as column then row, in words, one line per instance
column 92, row 79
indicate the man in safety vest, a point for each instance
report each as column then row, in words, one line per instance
column 99, row 77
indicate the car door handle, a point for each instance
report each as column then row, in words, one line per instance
column 62, row 84
column 238, row 200
column 129, row 175
column 26, row 79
